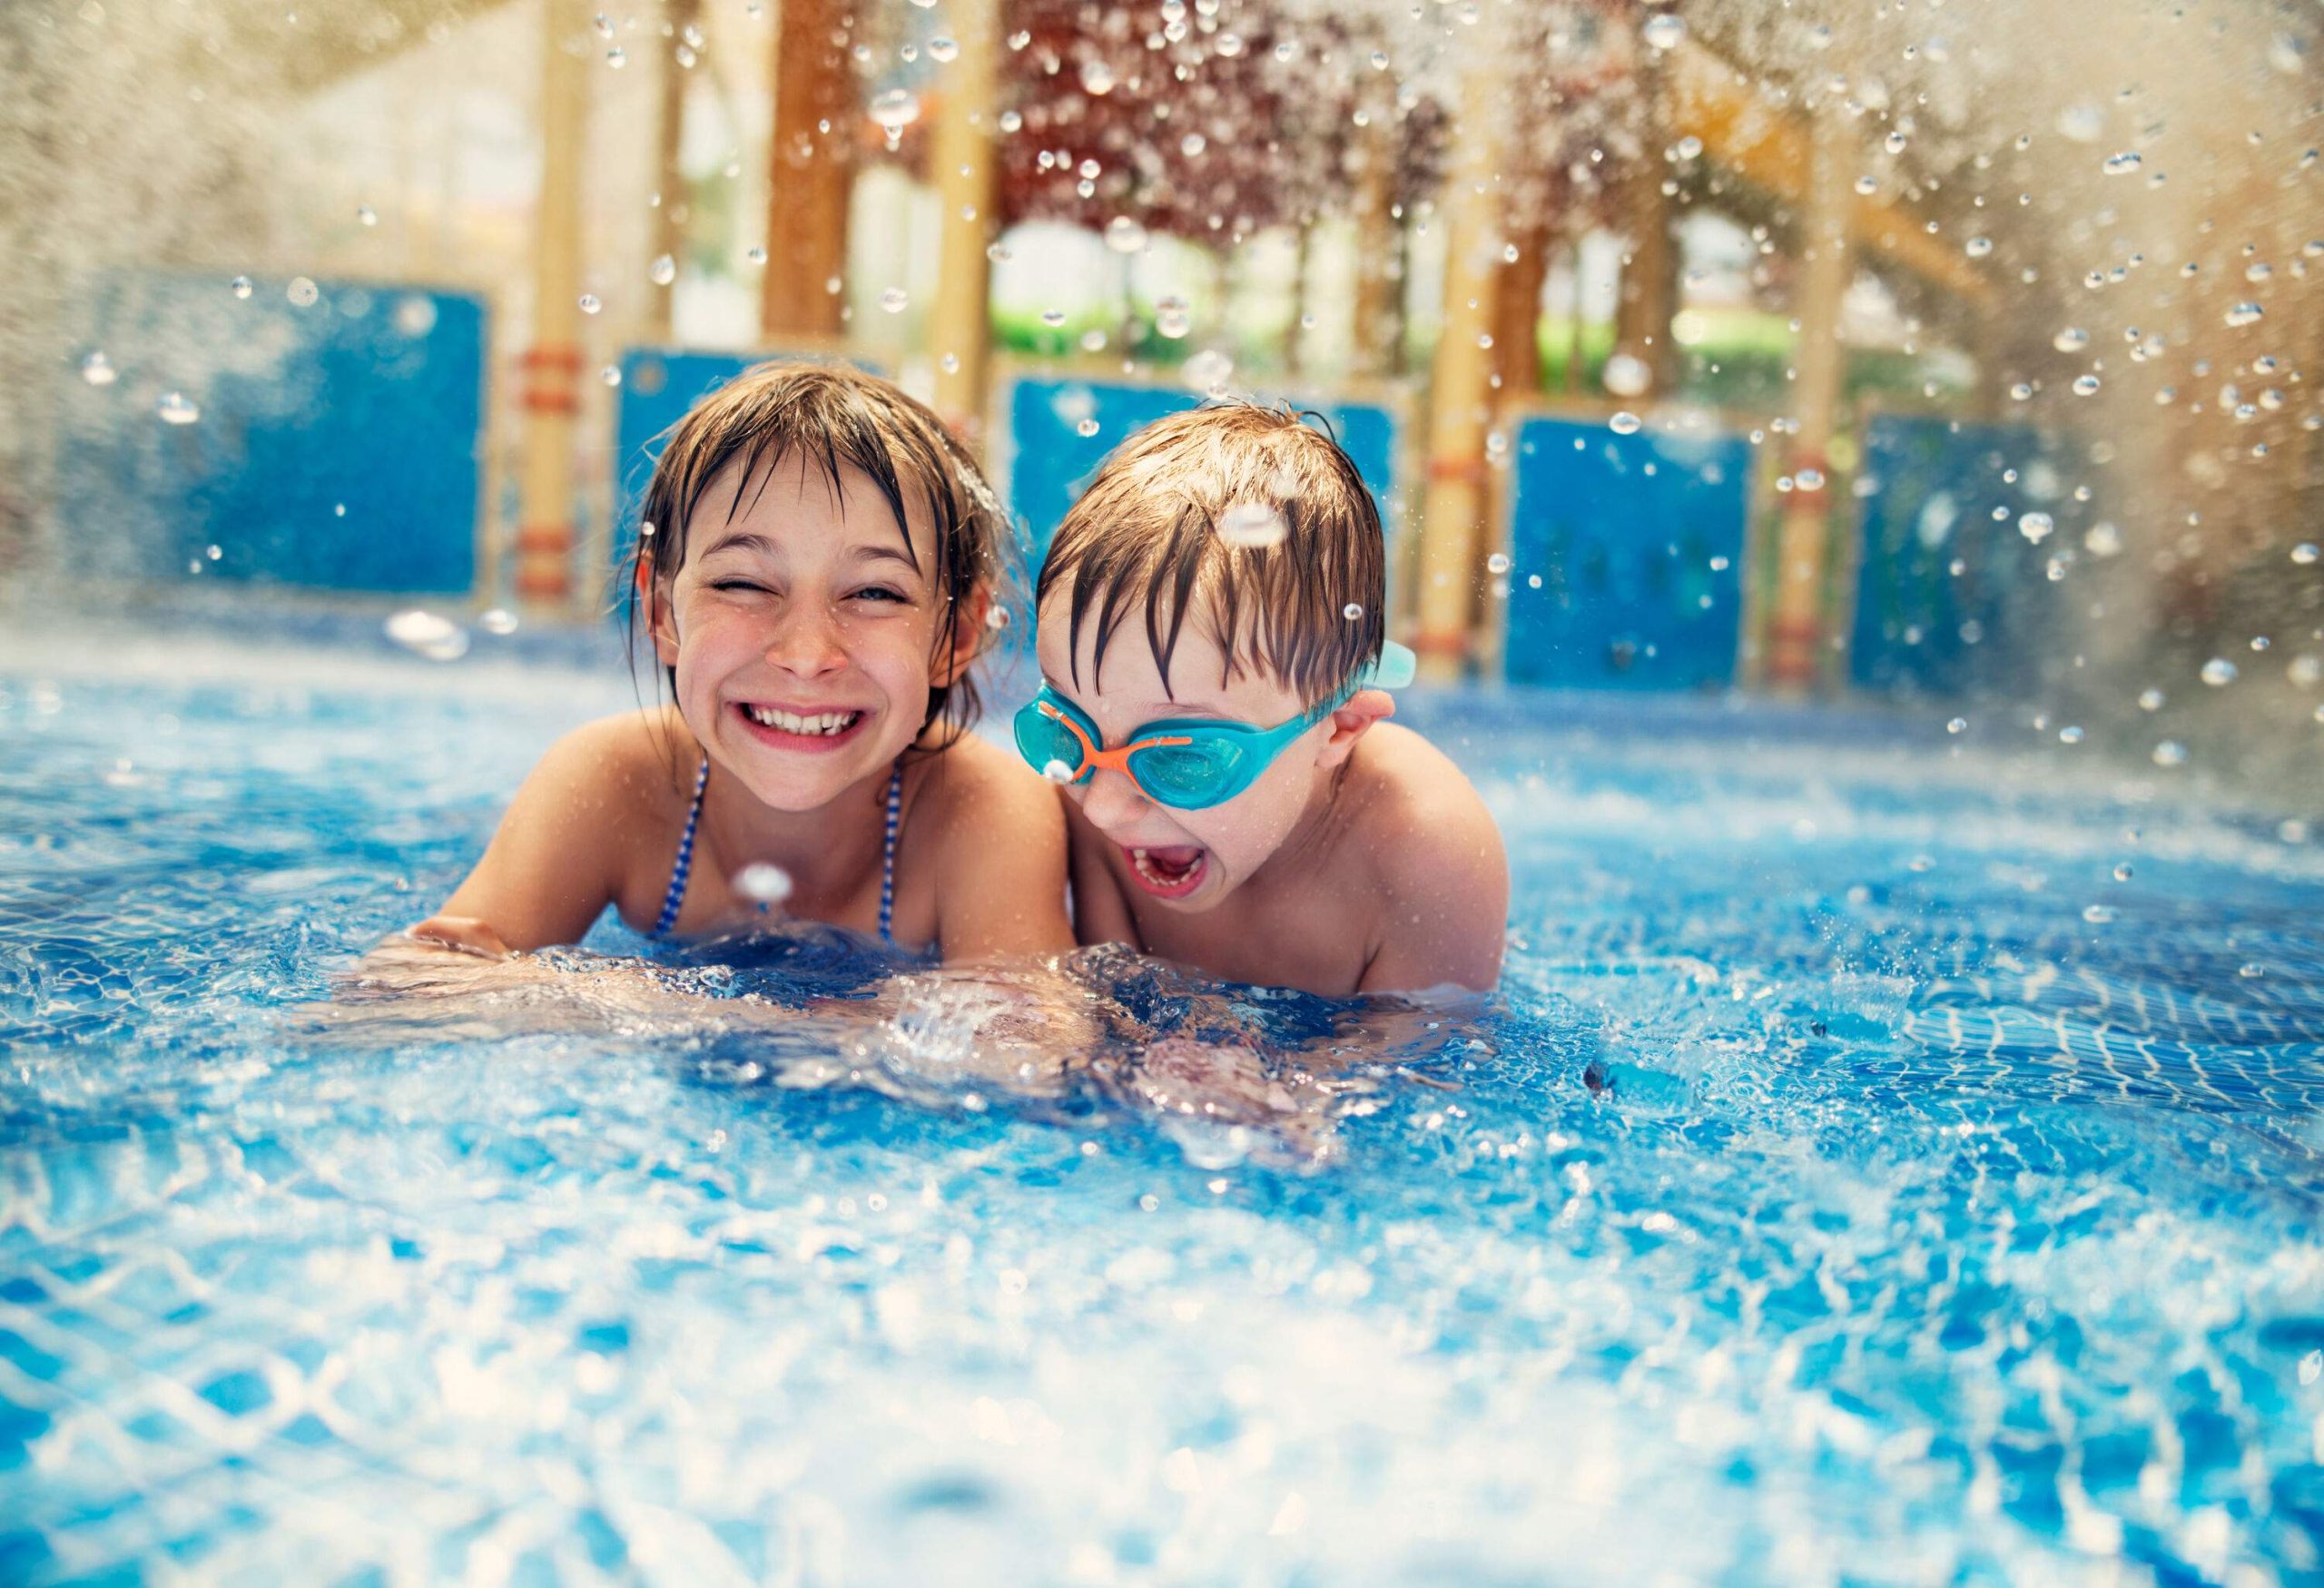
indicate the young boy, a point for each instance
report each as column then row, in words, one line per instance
column 1211, row 640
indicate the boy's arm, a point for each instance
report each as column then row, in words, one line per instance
column 1100, row 913
column 1445, row 907
column 555, row 862
column 1000, row 887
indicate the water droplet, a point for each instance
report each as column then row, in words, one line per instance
column 610, row 374
column 2150, row 699
column 2086, row 385
column 662, row 271
column 2098, row 914
column 1097, row 76
column 996, row 616
column 1253, row 525
column 762, row 884
column 2304, row 553
column 590, row 304
column 2219, row 671
column 175, row 407
column 2120, row 164
column 366, row 216
column 1978, row 247
column 895, row 110
column 2102, row 540
column 1171, row 318
column 1086, row 429
column 617, row 57
column 429, row 635
column 755, row 254
column 2244, row 314
column 1208, row 370
column 1664, row 31
column 943, row 51
column 1352, row 611
column 1624, row 423
column 2034, row 526
column 894, row 299
column 1052, row 318
column 1894, row 142
column 302, row 292
column 604, row 24
column 1124, row 235
column 241, row 286
column 1498, row 563
column 998, row 253
column 1193, row 145
column 2072, row 339
column 497, row 620
column 1379, row 60
column 1627, row 376
column 98, row 371
column 1959, row 724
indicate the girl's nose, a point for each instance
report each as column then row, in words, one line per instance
column 807, row 644
column 1110, row 799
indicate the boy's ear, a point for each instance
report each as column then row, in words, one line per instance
column 661, row 626
column 968, row 637
column 1350, row 722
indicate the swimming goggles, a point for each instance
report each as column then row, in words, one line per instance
column 1188, row 764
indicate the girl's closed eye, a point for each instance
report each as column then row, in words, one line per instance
column 884, row 593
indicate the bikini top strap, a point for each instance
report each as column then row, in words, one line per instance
column 887, row 854
column 675, row 894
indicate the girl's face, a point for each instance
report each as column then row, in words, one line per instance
column 803, row 631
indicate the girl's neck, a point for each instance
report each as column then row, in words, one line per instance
column 826, row 852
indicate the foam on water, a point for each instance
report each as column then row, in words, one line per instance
column 1825, row 1195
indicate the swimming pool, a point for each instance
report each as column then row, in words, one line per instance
column 1893, row 1159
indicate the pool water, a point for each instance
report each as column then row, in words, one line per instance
column 1892, row 1158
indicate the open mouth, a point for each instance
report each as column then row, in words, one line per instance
column 796, row 730
column 1170, row 872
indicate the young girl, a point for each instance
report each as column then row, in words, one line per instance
column 815, row 561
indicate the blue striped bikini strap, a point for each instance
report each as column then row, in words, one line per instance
column 675, row 894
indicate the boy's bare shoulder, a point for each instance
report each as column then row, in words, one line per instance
column 1419, row 820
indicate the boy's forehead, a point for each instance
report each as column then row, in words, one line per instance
column 1132, row 675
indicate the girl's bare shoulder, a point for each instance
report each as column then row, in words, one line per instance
column 621, row 774
column 975, row 786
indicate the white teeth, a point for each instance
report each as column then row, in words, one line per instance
column 1145, row 869
column 829, row 722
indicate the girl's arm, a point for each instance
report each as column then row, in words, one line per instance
column 1000, row 867
column 557, row 861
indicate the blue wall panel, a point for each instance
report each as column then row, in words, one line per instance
column 338, row 444
column 1638, row 543
column 1951, row 594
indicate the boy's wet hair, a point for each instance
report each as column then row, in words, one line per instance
column 834, row 417
column 1145, row 537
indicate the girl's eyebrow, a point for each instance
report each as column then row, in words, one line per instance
column 741, row 540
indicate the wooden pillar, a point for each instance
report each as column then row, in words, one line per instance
column 1649, row 288
column 552, row 364
column 669, row 179
column 1453, row 508
column 1378, row 244
column 809, row 170
column 1795, row 637
column 1517, row 316
column 960, row 324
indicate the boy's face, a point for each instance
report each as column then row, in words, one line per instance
column 1190, row 859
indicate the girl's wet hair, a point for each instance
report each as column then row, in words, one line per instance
column 834, row 418
column 1304, row 606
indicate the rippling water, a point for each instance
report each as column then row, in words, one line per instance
column 1857, row 1179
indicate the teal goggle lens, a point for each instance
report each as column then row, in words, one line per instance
column 1043, row 741
column 1190, row 777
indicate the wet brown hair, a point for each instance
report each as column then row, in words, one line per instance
column 1145, row 535
column 835, row 417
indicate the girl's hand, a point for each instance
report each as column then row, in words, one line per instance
column 463, row 932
